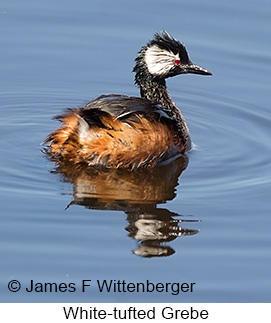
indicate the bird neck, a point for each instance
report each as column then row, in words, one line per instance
column 154, row 89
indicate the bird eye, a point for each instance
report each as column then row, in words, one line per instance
column 177, row 62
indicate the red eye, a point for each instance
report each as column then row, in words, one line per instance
column 177, row 62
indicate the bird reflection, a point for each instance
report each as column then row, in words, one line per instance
column 137, row 193
column 152, row 228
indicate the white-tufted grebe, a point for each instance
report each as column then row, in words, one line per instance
column 118, row 131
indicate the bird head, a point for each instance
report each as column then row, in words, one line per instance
column 164, row 57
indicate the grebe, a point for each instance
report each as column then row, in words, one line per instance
column 119, row 131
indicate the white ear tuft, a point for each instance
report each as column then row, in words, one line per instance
column 160, row 61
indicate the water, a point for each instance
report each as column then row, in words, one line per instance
column 211, row 211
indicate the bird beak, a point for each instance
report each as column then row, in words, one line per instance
column 195, row 69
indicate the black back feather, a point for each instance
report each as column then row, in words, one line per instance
column 123, row 108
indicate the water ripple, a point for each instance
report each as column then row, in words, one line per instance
column 232, row 149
